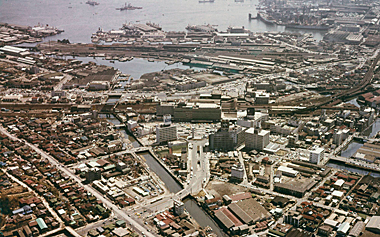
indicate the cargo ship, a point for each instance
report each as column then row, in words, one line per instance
column 307, row 27
column 128, row 7
column 157, row 26
column 92, row 3
column 266, row 18
column 203, row 1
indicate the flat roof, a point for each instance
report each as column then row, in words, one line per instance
column 374, row 223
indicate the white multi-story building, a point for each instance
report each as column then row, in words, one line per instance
column 262, row 98
column 251, row 121
column 166, row 133
column 256, row 139
column 316, row 155
column 98, row 85
column 338, row 137
column 131, row 124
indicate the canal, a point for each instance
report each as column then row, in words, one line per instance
column 191, row 206
column 354, row 146
column 115, row 121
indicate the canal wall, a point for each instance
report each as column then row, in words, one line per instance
column 165, row 167
column 126, row 129
column 203, row 215
column 150, row 152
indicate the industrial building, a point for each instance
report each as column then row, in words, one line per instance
column 227, row 138
column 191, row 112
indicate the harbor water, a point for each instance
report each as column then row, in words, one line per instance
column 80, row 20
column 136, row 67
column 191, row 206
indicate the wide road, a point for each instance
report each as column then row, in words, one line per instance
column 120, row 213
column 199, row 167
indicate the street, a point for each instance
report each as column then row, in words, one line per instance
column 119, row 213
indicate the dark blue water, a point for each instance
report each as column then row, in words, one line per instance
column 80, row 20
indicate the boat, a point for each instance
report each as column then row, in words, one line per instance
column 92, row 3
column 307, row 27
column 265, row 18
column 95, row 40
column 170, row 62
column 157, row 26
column 203, row 1
column 128, row 7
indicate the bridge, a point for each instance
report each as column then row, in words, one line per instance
column 119, row 126
column 356, row 163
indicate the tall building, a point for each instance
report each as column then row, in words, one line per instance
column 316, row 155
column 256, row 138
column 338, row 137
column 93, row 174
column 166, row 133
column 262, row 98
column 292, row 140
column 167, row 119
column 237, row 171
column 253, row 119
column 293, row 218
column 179, row 207
column 228, row 137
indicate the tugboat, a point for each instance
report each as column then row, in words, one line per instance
column 128, row 7
column 92, row 3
